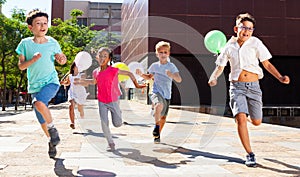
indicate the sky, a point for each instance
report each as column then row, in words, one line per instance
column 28, row 5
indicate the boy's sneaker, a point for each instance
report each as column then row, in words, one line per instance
column 156, row 131
column 54, row 136
column 52, row 150
column 250, row 160
column 157, row 140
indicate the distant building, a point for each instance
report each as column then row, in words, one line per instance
column 104, row 16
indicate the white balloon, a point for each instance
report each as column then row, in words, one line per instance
column 83, row 60
column 133, row 66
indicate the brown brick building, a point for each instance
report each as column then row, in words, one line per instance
column 185, row 23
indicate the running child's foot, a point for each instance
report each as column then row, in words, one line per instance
column 111, row 147
column 54, row 136
column 157, row 140
column 156, row 131
column 250, row 160
column 72, row 126
column 52, row 150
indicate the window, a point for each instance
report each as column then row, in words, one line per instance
column 82, row 21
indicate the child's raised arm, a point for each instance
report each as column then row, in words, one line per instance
column 85, row 82
column 145, row 76
column 128, row 73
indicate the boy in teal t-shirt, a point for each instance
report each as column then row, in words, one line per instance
column 37, row 54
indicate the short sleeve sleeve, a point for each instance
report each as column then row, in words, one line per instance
column 262, row 52
column 20, row 48
column 222, row 59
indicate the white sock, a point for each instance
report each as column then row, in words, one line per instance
column 50, row 125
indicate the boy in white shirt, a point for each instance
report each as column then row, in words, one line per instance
column 244, row 52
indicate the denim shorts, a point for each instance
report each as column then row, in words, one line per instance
column 44, row 95
column 246, row 97
column 157, row 98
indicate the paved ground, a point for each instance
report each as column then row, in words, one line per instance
column 193, row 144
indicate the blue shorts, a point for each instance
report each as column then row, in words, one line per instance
column 246, row 97
column 44, row 95
column 157, row 98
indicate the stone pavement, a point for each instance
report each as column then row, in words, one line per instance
column 192, row 144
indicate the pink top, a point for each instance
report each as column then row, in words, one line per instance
column 107, row 84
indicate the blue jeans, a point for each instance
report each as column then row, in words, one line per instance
column 44, row 95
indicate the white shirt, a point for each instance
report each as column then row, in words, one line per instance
column 246, row 57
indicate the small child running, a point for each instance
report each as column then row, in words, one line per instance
column 106, row 78
column 76, row 94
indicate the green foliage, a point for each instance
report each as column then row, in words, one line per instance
column 72, row 37
column 11, row 32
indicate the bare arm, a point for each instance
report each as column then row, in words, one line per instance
column 214, row 76
column 85, row 82
column 23, row 64
column 65, row 81
column 127, row 73
column 145, row 76
column 272, row 70
column 176, row 76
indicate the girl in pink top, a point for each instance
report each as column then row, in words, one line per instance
column 106, row 78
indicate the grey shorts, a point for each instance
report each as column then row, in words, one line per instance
column 157, row 98
column 246, row 97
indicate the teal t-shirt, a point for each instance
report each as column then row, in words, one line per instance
column 43, row 71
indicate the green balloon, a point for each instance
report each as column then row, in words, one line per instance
column 214, row 41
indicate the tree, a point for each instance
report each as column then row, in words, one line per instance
column 72, row 37
column 1, row 2
column 11, row 32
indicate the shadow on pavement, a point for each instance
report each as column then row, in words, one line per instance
column 136, row 155
column 7, row 122
column 95, row 173
column 294, row 170
column 136, row 125
column 60, row 169
column 194, row 153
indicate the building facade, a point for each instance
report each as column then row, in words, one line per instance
column 185, row 23
column 102, row 15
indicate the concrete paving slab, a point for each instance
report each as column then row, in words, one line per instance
column 193, row 144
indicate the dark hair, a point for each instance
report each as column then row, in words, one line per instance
column 109, row 51
column 245, row 17
column 72, row 68
column 33, row 14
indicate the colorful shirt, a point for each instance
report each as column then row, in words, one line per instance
column 246, row 57
column 42, row 72
column 107, row 84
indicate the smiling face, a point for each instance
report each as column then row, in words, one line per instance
column 39, row 26
column 244, row 30
column 103, row 58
